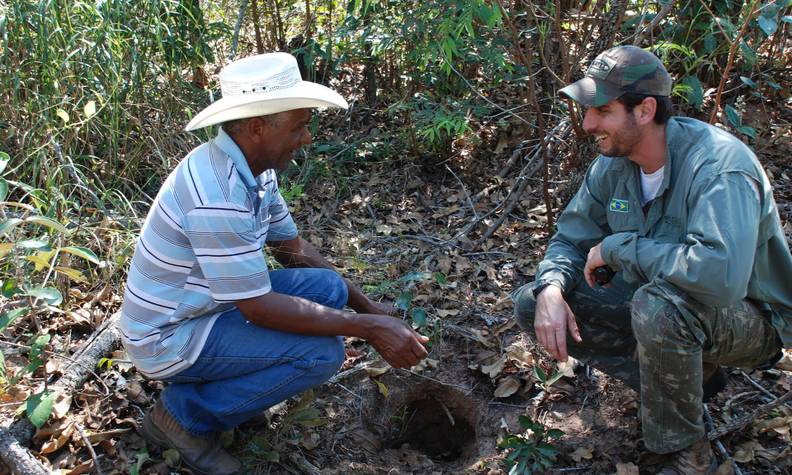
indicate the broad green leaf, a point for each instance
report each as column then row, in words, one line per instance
column 142, row 457
column 748, row 54
column 404, row 300
column 5, row 248
column 50, row 295
column 8, row 318
column 48, row 222
column 90, row 109
column 695, row 93
column 773, row 84
column 83, row 252
column 9, row 224
column 418, row 316
column 64, row 116
column 554, row 433
column 9, row 288
column 540, row 374
column 733, row 116
column 440, row 278
column 308, row 417
column 748, row 81
column 749, row 131
column 4, row 159
column 39, row 407
column 71, row 273
column 768, row 25
column 3, row 189
column 34, row 244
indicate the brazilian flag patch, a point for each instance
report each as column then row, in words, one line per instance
column 620, row 206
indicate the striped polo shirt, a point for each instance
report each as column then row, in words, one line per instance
column 200, row 250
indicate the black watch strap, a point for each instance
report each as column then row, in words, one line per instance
column 539, row 288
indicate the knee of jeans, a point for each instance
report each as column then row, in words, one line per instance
column 329, row 355
column 338, row 294
column 524, row 307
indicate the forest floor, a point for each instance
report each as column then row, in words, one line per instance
column 395, row 233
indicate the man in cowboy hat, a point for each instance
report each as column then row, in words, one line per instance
column 203, row 311
column 684, row 214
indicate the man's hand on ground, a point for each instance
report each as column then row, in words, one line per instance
column 398, row 344
column 552, row 320
column 593, row 261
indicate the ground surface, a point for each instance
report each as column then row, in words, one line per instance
column 395, row 229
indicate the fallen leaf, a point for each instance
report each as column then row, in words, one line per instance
column 382, row 388
column 726, row 468
column 628, row 468
column 745, row 452
column 507, row 387
column 581, row 453
column 374, row 371
column 61, row 406
column 494, row 369
column 518, row 355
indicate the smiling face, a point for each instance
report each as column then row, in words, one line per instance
column 616, row 130
column 271, row 143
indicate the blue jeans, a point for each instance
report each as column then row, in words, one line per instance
column 243, row 369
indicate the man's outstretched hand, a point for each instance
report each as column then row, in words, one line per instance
column 552, row 320
column 399, row 345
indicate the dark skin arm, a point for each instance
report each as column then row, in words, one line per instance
column 298, row 252
column 393, row 339
column 398, row 344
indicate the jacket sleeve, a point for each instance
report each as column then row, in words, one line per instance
column 582, row 225
column 715, row 261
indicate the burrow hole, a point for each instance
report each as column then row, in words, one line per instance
column 428, row 425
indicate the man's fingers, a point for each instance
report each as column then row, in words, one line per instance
column 560, row 337
column 573, row 327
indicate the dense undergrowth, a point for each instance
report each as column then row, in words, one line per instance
column 95, row 96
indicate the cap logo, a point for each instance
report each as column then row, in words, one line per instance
column 600, row 68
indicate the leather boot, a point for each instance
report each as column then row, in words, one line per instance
column 203, row 456
column 697, row 459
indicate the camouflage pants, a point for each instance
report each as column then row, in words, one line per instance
column 674, row 339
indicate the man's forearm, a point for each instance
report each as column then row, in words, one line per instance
column 300, row 253
column 297, row 315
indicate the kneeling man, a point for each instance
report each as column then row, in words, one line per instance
column 683, row 213
column 203, row 312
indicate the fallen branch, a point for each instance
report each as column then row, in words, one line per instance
column 718, row 444
column 653, row 24
column 741, row 422
column 12, row 439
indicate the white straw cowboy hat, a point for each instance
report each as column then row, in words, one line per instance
column 262, row 85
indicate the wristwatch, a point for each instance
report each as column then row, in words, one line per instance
column 539, row 288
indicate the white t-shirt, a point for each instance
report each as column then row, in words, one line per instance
column 650, row 184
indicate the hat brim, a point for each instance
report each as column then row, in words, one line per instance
column 302, row 95
column 592, row 92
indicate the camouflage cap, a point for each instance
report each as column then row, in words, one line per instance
column 617, row 71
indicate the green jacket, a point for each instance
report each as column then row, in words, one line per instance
column 708, row 231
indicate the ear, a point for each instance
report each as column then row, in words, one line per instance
column 256, row 128
column 645, row 111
